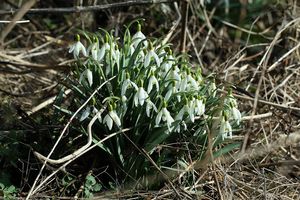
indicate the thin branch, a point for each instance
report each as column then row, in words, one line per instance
column 78, row 9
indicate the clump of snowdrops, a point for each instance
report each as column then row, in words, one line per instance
column 162, row 98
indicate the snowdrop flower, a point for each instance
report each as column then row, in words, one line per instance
column 171, row 90
column 199, row 106
column 138, row 37
column 167, row 65
column 111, row 118
column 77, row 47
column 174, row 75
column 140, row 96
column 103, row 49
column 225, row 128
column 127, row 84
column 189, row 109
column 236, row 115
column 150, row 105
column 87, row 74
column 183, row 83
column 164, row 115
column 192, row 82
column 85, row 113
column 94, row 48
column 151, row 54
column 152, row 81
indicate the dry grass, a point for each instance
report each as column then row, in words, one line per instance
column 34, row 61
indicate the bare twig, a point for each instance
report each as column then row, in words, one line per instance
column 17, row 22
column 79, row 9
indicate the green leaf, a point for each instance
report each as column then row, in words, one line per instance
column 226, row 149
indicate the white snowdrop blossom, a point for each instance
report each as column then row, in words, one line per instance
column 150, row 105
column 171, row 90
column 174, row 75
column 199, row 106
column 225, row 129
column 85, row 113
column 87, row 74
column 152, row 81
column 138, row 37
column 167, row 65
column 186, row 109
column 127, row 84
column 140, row 96
column 192, row 82
column 164, row 115
column 102, row 51
column 183, row 83
column 77, row 47
column 236, row 115
column 111, row 118
column 151, row 54
column 94, row 49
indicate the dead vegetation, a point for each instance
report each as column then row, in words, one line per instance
column 253, row 47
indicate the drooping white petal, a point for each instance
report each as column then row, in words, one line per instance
column 193, row 82
column 102, row 51
column 93, row 49
column 115, row 117
column 191, row 111
column 108, row 120
column 171, row 91
column 136, row 99
column 137, row 38
column 199, row 107
column 89, row 75
column 72, row 47
column 152, row 81
column 147, row 59
column 183, row 84
column 82, row 48
column 142, row 95
column 168, row 117
column 85, row 114
column 236, row 115
column 157, row 60
column 76, row 48
column 225, row 129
